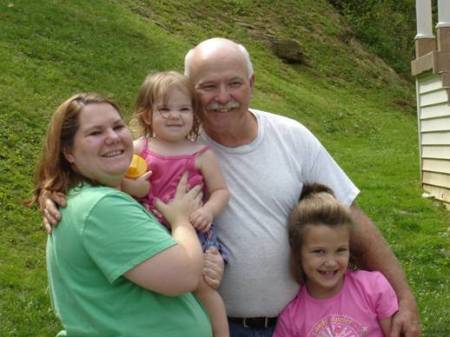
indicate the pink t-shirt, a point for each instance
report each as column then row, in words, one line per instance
column 365, row 298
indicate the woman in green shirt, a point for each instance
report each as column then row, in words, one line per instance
column 113, row 269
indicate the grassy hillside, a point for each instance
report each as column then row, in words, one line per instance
column 359, row 108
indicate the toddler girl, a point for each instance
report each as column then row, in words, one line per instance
column 168, row 115
column 334, row 300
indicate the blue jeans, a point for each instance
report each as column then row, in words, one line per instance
column 237, row 330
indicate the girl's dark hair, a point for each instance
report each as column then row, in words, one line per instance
column 317, row 206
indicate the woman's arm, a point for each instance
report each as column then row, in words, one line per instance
column 208, row 164
column 177, row 269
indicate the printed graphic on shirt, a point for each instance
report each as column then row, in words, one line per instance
column 335, row 325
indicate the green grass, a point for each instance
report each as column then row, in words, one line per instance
column 362, row 111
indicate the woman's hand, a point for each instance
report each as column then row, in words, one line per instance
column 161, row 273
column 186, row 201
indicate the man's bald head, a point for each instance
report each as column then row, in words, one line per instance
column 216, row 47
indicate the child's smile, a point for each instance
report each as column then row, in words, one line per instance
column 324, row 257
column 173, row 117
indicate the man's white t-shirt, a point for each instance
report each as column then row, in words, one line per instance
column 265, row 179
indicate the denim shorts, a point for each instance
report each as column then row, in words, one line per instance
column 209, row 239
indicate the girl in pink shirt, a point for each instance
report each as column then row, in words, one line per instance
column 334, row 301
column 168, row 117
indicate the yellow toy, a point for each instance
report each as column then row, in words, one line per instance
column 137, row 167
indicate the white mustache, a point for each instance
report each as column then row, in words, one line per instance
column 227, row 106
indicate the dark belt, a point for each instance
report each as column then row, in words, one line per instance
column 254, row 322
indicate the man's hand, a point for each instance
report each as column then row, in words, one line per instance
column 48, row 204
column 406, row 321
column 213, row 267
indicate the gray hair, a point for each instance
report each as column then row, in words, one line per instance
column 241, row 48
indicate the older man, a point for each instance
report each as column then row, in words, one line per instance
column 266, row 159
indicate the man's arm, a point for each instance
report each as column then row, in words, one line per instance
column 372, row 252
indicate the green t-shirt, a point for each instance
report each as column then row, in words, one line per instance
column 103, row 234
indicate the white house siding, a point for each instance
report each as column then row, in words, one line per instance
column 434, row 135
column 436, row 165
column 438, row 152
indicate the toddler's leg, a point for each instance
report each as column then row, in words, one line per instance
column 215, row 308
